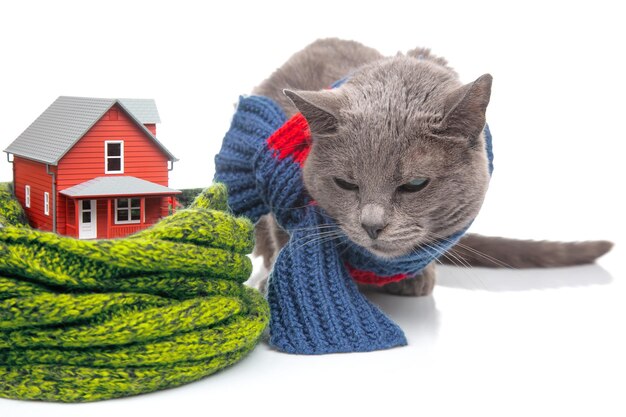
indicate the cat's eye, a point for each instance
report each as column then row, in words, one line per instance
column 416, row 184
column 345, row 184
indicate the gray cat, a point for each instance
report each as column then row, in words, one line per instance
column 398, row 158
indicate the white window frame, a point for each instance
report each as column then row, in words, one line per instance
column 46, row 203
column 27, row 196
column 106, row 156
column 129, row 209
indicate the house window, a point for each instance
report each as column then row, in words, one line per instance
column 85, row 211
column 46, row 204
column 27, row 196
column 114, row 157
column 127, row 210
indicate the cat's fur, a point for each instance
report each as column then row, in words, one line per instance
column 396, row 119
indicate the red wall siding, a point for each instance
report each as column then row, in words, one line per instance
column 142, row 157
column 71, row 215
column 151, row 127
column 152, row 214
column 154, row 211
column 101, row 218
column 86, row 160
column 165, row 208
column 61, row 201
column 27, row 172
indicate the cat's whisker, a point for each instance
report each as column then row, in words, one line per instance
column 390, row 131
column 441, row 253
column 490, row 258
column 348, row 244
column 438, row 240
column 312, row 206
column 294, row 208
column 316, row 234
column 320, row 226
column 495, row 261
column 456, row 262
column 463, row 263
column 449, row 254
column 320, row 240
column 402, row 239
column 438, row 253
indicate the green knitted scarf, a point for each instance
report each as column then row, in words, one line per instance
column 91, row 320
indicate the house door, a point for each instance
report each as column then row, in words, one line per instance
column 87, row 229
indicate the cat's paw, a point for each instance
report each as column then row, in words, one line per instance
column 259, row 281
column 417, row 286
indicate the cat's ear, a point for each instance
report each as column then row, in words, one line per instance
column 319, row 108
column 464, row 108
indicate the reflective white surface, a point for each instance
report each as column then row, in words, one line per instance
column 488, row 342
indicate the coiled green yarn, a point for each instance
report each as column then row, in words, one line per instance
column 11, row 213
column 92, row 320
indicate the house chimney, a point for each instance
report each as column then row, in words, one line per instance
column 151, row 127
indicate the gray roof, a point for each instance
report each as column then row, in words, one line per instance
column 144, row 109
column 67, row 120
column 118, row 186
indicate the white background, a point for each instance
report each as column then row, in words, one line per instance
column 487, row 342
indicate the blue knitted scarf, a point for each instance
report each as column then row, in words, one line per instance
column 315, row 304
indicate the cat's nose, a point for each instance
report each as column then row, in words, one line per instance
column 373, row 229
column 373, row 219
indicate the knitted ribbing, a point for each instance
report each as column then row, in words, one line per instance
column 315, row 305
column 91, row 320
column 11, row 212
column 254, row 121
column 410, row 264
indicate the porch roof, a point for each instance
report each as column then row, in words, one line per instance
column 118, row 186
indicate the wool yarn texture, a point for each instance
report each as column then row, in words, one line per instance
column 11, row 212
column 92, row 320
column 315, row 304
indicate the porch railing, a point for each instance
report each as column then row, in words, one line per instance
column 126, row 229
column 70, row 230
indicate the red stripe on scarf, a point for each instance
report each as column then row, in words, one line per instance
column 367, row 277
column 292, row 139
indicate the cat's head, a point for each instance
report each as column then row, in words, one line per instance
column 398, row 156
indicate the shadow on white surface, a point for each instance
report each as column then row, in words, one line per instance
column 489, row 279
column 482, row 348
column 522, row 279
column 418, row 313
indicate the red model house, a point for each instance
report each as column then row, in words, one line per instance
column 93, row 168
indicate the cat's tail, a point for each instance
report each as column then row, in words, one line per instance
column 498, row 252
